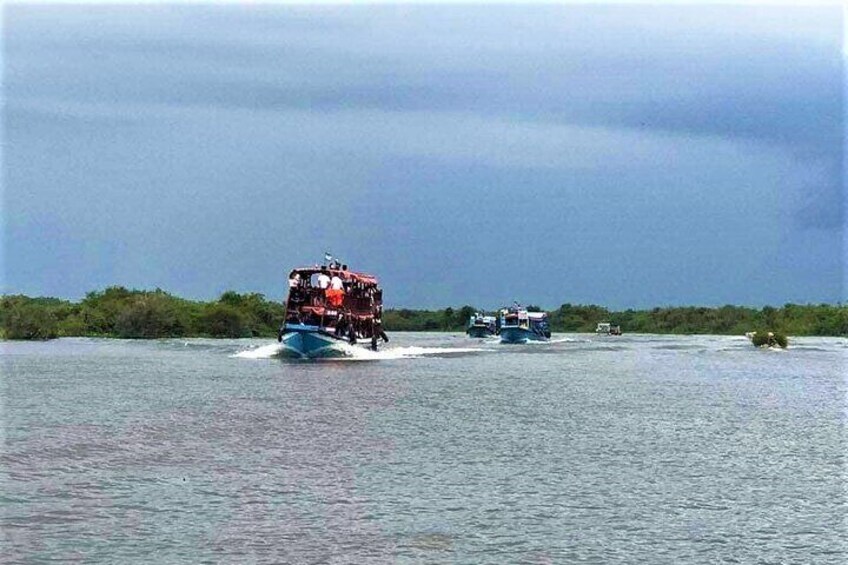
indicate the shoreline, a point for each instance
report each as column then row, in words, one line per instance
column 117, row 312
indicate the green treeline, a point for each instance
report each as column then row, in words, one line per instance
column 119, row 312
column 791, row 319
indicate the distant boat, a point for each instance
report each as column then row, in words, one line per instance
column 607, row 328
column 481, row 326
column 517, row 325
column 321, row 320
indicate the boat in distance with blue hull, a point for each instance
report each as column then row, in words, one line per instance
column 517, row 325
column 482, row 326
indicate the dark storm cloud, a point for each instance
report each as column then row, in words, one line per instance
column 712, row 135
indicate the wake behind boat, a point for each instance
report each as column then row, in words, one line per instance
column 517, row 325
column 329, row 307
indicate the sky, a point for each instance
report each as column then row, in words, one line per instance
column 629, row 156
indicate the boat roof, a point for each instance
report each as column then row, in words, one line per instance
column 517, row 311
column 364, row 278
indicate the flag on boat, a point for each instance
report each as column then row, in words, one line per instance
column 328, row 257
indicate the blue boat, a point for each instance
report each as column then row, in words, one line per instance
column 330, row 308
column 517, row 325
column 481, row 326
column 311, row 342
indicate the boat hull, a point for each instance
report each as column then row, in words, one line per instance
column 310, row 342
column 520, row 335
column 479, row 331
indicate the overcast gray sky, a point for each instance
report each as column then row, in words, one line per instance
column 630, row 156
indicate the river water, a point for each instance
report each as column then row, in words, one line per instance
column 439, row 449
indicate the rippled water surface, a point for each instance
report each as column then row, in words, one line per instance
column 441, row 449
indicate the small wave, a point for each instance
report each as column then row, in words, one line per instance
column 678, row 347
column 605, row 347
column 567, row 340
column 552, row 341
column 811, row 348
column 414, row 351
column 355, row 353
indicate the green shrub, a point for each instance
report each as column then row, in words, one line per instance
column 775, row 339
column 149, row 316
column 29, row 321
column 72, row 325
column 224, row 320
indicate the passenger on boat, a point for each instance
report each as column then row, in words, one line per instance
column 294, row 280
column 335, row 294
column 341, row 325
column 323, row 279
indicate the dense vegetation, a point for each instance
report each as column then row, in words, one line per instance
column 791, row 319
column 118, row 312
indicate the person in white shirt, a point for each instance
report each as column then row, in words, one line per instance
column 336, row 283
column 323, row 280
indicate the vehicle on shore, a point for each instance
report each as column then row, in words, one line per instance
column 517, row 325
column 329, row 308
column 481, row 325
column 607, row 328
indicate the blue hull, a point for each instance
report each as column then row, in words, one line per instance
column 310, row 342
column 520, row 335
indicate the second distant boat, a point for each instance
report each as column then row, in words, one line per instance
column 481, row 326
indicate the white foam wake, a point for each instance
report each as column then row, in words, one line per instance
column 415, row 351
column 357, row 353
column 565, row 340
column 262, row 352
column 552, row 340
